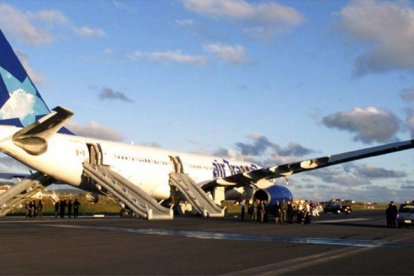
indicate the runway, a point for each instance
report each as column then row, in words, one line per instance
column 340, row 244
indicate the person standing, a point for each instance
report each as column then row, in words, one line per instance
column 289, row 212
column 283, row 208
column 255, row 207
column 76, row 205
column 250, row 211
column 262, row 210
column 300, row 213
column 393, row 215
column 56, row 209
column 388, row 214
column 307, row 213
column 276, row 211
column 69, row 208
column 33, row 208
column 242, row 211
column 62, row 207
column 40, row 208
column 266, row 211
column 28, row 211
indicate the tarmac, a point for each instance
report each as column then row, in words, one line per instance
column 332, row 244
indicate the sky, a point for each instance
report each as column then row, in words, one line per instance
column 264, row 81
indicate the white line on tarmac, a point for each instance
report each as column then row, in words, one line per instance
column 342, row 220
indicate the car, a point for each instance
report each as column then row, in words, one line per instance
column 405, row 215
column 337, row 208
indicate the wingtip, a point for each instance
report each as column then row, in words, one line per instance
column 60, row 109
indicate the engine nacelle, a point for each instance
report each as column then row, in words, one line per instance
column 273, row 193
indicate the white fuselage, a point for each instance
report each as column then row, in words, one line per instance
column 147, row 167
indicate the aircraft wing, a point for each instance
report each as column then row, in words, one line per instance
column 251, row 177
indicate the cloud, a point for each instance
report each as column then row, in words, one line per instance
column 10, row 165
column 235, row 55
column 169, row 56
column 89, row 32
column 197, row 30
column 410, row 122
column 185, row 22
column 110, row 94
column 221, row 152
column 369, row 125
column 351, row 181
column 49, row 16
column 177, row 56
column 154, row 145
column 20, row 26
column 372, row 172
column 336, row 175
column 34, row 76
column 122, row 6
column 95, row 130
column 263, row 20
column 259, row 32
column 259, row 146
column 262, row 151
column 385, row 30
column 407, row 94
column 268, row 13
column 37, row 27
column 407, row 186
column 294, row 149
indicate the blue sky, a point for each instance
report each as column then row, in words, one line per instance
column 268, row 81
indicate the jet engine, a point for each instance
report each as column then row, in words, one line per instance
column 273, row 193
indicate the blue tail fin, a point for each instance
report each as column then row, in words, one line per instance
column 20, row 102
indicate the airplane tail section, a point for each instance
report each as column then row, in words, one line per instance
column 20, row 102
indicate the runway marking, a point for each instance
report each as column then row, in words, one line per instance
column 235, row 236
column 296, row 264
column 342, row 220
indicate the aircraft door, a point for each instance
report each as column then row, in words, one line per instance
column 178, row 165
column 95, row 154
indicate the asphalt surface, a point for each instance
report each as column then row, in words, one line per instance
column 333, row 244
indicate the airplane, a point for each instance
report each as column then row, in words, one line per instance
column 149, row 181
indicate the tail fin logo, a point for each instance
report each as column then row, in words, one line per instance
column 20, row 102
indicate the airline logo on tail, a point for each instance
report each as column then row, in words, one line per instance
column 20, row 102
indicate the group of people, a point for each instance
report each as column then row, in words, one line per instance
column 65, row 207
column 62, row 208
column 284, row 212
column 34, row 209
column 391, row 215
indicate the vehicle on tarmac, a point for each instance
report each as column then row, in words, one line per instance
column 405, row 215
column 337, row 208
